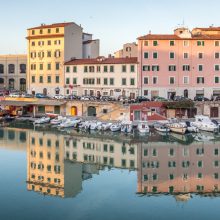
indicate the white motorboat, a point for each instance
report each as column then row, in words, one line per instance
column 203, row 138
column 161, row 128
column 42, row 120
column 104, row 126
column 204, row 123
column 94, row 125
column 126, row 127
column 143, row 127
column 58, row 120
column 68, row 123
column 115, row 127
column 191, row 128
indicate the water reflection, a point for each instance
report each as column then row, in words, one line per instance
column 57, row 164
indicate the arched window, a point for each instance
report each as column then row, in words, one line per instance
column 1, row 68
column 22, row 68
column 185, row 93
column 11, row 83
column 11, row 68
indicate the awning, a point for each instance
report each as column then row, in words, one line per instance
column 15, row 103
column 48, row 102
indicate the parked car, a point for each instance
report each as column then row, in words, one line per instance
column 200, row 98
column 159, row 99
column 59, row 96
column 142, row 99
column 104, row 98
column 85, row 98
column 92, row 98
column 180, row 98
column 41, row 96
column 71, row 97
column 14, row 95
column 27, row 95
column 216, row 98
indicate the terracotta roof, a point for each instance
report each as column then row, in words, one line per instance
column 159, row 37
column 175, row 37
column 156, row 117
column 52, row 25
column 102, row 60
column 208, row 29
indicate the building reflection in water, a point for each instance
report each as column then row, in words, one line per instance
column 58, row 164
column 179, row 169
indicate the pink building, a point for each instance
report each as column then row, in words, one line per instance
column 185, row 63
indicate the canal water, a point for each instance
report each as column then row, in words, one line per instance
column 46, row 174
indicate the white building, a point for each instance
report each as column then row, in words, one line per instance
column 102, row 76
column 90, row 47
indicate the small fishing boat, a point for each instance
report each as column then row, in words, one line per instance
column 126, row 127
column 143, row 127
column 94, row 125
column 68, row 123
column 115, row 127
column 161, row 128
column 104, row 126
column 42, row 120
column 177, row 127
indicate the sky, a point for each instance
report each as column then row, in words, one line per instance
column 114, row 22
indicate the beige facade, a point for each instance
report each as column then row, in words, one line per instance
column 128, row 50
column 90, row 47
column 13, row 72
column 48, row 47
column 102, row 77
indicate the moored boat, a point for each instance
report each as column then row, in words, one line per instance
column 42, row 120
column 127, row 127
column 143, row 127
column 115, row 127
column 161, row 128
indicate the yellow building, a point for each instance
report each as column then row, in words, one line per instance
column 48, row 47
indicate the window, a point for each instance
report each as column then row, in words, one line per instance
column 41, row 66
column 155, row 68
column 33, row 43
column 75, row 69
column 146, row 55
column 200, row 68
column 123, row 82
column 186, row 67
column 185, row 43
column 67, row 69
column 185, row 55
column 146, row 43
column 57, row 54
column 154, row 80
column 132, row 68
column 48, row 53
column 48, row 79
column 217, row 43
column 41, row 79
column 146, row 68
column 105, row 81
column 132, row 82
column 172, row 80
column 1, row 68
column 155, row 55
column 217, row 67
column 85, row 69
column 145, row 92
column 172, row 43
column 49, row 66
column 67, row 81
column 33, row 79
column 185, row 80
column 200, row 163
column 171, row 176
column 217, row 55
column 216, row 79
column 57, row 79
column 11, row 68
column 111, row 69
column 216, row 151
column 91, row 69
column 98, row 81
column 41, row 31
column 200, row 43
column 145, row 152
column 200, row 55
column 41, row 109
column 146, row 80
column 57, row 66
column 200, row 80
column 22, row 68
column 124, row 68
column 33, row 32
column 57, row 30
column 111, row 81
column 155, row 43
column 105, row 69
column 172, row 55
column 49, row 42
column 172, row 67
column 74, row 81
